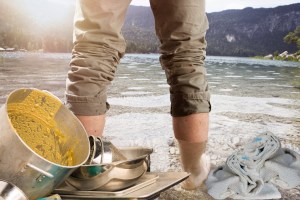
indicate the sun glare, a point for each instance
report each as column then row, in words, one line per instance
column 45, row 12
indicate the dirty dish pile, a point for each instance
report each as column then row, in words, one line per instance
column 112, row 169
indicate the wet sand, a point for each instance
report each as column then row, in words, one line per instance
column 247, row 99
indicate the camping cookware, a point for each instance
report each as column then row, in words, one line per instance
column 34, row 174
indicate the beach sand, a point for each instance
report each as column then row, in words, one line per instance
column 234, row 120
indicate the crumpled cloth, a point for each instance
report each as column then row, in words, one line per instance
column 283, row 170
column 254, row 171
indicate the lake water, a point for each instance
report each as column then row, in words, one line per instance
column 249, row 96
column 140, row 74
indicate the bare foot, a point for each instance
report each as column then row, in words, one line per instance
column 197, row 178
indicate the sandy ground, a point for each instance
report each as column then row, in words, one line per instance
column 230, row 128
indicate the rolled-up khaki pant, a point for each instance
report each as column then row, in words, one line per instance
column 99, row 45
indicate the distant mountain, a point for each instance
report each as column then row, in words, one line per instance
column 251, row 31
column 139, row 30
column 246, row 32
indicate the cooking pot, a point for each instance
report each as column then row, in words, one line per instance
column 34, row 174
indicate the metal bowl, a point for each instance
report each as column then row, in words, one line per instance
column 114, row 176
column 9, row 191
column 102, row 151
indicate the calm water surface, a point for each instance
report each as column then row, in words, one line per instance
column 141, row 74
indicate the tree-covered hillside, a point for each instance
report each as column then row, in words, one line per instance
column 250, row 32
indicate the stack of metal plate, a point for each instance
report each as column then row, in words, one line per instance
column 149, row 186
column 115, row 175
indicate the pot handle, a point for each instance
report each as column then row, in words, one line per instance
column 39, row 170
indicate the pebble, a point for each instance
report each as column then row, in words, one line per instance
column 172, row 150
column 235, row 141
column 171, row 142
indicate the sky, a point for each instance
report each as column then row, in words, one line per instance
column 50, row 15
column 219, row 5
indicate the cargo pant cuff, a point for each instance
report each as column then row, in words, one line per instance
column 86, row 105
column 187, row 104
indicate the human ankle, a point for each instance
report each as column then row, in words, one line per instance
column 198, row 174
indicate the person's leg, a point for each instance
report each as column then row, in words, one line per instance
column 192, row 133
column 181, row 27
column 98, row 48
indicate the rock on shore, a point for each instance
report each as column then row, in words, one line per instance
column 284, row 56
